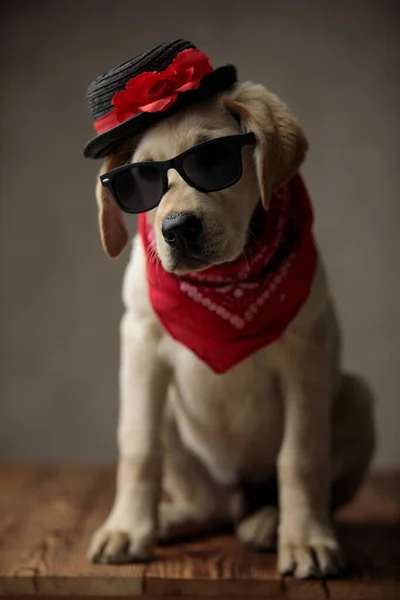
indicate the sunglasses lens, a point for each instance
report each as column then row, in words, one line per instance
column 138, row 189
column 214, row 166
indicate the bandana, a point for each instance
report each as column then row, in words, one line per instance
column 225, row 313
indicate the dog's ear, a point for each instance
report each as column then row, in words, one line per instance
column 281, row 143
column 114, row 235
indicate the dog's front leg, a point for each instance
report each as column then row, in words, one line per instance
column 130, row 531
column 307, row 542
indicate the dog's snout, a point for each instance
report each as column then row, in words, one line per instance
column 182, row 230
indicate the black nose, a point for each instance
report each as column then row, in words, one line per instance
column 182, row 230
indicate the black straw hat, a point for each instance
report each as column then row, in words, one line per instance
column 144, row 90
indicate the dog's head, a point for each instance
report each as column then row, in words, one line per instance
column 216, row 224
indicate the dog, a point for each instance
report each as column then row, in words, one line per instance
column 193, row 440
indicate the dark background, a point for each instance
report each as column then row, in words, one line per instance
column 335, row 63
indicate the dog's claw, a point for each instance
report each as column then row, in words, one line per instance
column 306, row 561
column 117, row 547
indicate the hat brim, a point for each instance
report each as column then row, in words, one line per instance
column 102, row 145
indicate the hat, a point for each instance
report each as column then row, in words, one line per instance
column 148, row 88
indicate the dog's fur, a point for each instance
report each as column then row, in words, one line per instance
column 287, row 408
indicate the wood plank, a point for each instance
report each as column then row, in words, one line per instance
column 47, row 516
column 44, row 550
column 369, row 529
column 212, row 567
column 366, row 590
column 147, row 597
column 105, row 580
column 19, row 492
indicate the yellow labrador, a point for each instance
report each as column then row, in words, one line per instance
column 182, row 427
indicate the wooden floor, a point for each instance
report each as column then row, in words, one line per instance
column 47, row 516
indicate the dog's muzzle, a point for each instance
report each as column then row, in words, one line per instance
column 183, row 232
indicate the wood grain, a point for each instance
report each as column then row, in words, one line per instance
column 48, row 514
column 47, row 526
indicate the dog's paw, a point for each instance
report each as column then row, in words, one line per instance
column 310, row 556
column 111, row 546
column 259, row 529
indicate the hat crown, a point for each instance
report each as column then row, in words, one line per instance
column 113, row 97
column 103, row 88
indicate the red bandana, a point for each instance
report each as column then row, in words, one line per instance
column 225, row 313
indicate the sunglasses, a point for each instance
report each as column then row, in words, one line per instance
column 208, row 167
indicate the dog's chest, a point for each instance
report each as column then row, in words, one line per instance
column 233, row 422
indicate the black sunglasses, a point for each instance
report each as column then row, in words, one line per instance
column 208, row 167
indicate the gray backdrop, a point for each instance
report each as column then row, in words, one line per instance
column 335, row 63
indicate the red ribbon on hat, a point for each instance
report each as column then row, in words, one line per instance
column 156, row 91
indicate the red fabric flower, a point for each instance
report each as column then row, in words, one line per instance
column 156, row 92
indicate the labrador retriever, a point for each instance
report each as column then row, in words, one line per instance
column 192, row 441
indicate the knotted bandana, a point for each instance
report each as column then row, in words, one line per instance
column 225, row 313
